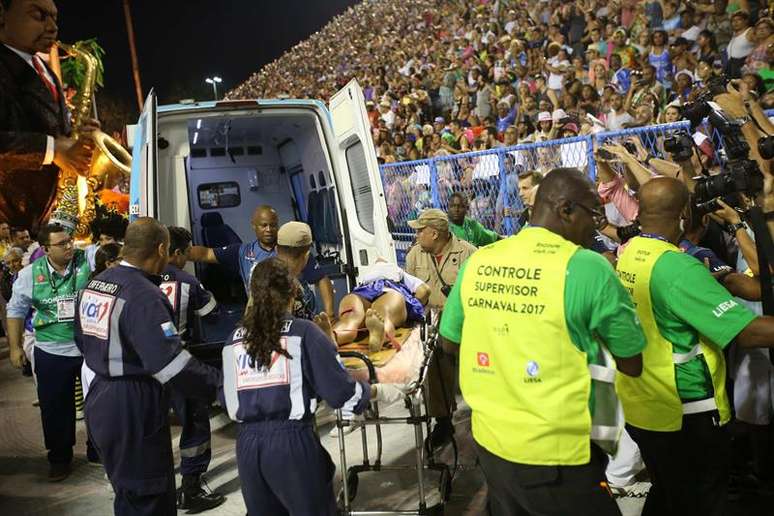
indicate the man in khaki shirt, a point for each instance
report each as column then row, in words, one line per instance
column 436, row 259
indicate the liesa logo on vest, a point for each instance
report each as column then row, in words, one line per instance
column 533, row 373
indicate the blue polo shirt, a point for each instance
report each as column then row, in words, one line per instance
column 242, row 258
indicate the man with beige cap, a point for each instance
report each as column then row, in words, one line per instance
column 435, row 259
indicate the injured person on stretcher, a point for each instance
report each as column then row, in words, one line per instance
column 388, row 298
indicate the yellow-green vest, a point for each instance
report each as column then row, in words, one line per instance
column 526, row 382
column 651, row 401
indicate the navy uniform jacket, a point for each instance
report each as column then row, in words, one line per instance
column 289, row 388
column 124, row 327
column 188, row 298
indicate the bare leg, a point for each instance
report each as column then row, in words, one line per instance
column 352, row 310
column 388, row 312
column 324, row 323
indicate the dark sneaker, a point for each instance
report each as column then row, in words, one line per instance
column 196, row 499
column 58, row 472
column 442, row 433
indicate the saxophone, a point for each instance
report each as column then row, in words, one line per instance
column 109, row 156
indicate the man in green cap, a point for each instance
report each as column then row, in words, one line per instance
column 464, row 227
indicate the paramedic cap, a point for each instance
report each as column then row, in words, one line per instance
column 294, row 234
column 433, row 218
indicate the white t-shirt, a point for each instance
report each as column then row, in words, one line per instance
column 615, row 122
column 740, row 46
column 556, row 80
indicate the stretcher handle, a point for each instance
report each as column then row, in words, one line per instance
column 365, row 360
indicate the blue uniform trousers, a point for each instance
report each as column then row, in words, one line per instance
column 56, row 393
column 195, row 451
column 128, row 424
column 284, row 470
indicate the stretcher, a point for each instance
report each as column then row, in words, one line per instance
column 405, row 364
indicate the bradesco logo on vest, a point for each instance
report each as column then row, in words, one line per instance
column 483, row 363
column 95, row 314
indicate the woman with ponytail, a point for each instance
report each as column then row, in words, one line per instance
column 275, row 367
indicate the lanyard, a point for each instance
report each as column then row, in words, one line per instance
column 69, row 277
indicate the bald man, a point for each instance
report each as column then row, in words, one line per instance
column 536, row 318
column 124, row 326
column 242, row 258
column 677, row 409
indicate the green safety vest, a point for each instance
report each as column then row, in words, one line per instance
column 527, row 384
column 54, row 298
column 651, row 401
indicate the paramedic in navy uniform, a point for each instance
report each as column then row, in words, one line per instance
column 189, row 300
column 275, row 367
column 242, row 258
column 124, row 328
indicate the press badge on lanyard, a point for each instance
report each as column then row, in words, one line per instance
column 65, row 309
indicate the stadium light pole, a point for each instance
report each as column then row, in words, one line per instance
column 215, row 80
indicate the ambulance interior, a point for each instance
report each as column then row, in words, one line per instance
column 230, row 163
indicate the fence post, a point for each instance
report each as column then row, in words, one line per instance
column 434, row 195
column 507, row 221
column 592, row 165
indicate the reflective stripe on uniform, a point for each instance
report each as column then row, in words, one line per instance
column 173, row 368
column 297, row 408
column 185, row 296
column 229, row 382
column 697, row 407
column 602, row 373
column 209, row 307
column 115, row 350
column 682, row 358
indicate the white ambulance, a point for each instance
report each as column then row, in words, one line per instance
column 206, row 166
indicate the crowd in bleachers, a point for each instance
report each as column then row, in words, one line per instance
column 443, row 76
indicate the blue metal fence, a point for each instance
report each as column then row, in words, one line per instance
column 489, row 179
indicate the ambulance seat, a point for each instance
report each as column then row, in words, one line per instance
column 216, row 233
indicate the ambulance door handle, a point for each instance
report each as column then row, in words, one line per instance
column 363, row 257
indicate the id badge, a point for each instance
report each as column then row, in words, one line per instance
column 65, row 309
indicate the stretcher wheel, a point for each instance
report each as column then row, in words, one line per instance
column 352, row 483
column 445, row 484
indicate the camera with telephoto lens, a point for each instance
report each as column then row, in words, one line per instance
column 713, row 205
column 679, row 145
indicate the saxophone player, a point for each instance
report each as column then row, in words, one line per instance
column 35, row 127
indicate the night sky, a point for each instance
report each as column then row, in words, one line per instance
column 179, row 43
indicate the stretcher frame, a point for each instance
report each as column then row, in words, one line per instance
column 418, row 417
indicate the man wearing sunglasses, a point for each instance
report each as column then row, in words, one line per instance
column 541, row 325
column 50, row 286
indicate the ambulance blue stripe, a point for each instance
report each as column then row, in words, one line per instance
column 115, row 350
column 173, row 368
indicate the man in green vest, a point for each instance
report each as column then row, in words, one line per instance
column 50, row 286
column 677, row 409
column 464, row 227
column 537, row 318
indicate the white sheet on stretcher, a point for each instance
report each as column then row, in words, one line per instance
column 403, row 367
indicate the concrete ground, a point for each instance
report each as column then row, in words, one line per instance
column 25, row 491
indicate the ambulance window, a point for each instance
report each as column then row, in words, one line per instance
column 361, row 185
column 218, row 195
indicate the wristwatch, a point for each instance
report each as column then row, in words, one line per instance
column 733, row 228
